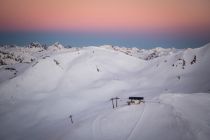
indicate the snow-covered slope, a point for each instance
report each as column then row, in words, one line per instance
column 143, row 53
column 36, row 102
column 14, row 60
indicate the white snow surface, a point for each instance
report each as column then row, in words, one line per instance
column 40, row 91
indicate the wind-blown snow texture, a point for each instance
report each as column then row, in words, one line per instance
column 40, row 87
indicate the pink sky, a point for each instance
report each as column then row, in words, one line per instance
column 104, row 15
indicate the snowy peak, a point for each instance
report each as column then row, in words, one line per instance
column 14, row 55
column 143, row 53
column 192, row 56
column 35, row 45
column 55, row 47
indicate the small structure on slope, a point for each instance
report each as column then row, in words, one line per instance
column 135, row 100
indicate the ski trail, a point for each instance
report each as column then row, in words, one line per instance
column 96, row 128
column 137, row 124
column 96, row 125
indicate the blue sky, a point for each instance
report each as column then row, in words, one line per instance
column 79, row 39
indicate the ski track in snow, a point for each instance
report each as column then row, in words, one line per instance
column 137, row 124
column 96, row 127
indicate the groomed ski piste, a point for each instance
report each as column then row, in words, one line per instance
column 40, row 87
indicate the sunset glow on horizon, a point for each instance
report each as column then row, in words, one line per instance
column 141, row 23
column 24, row 15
